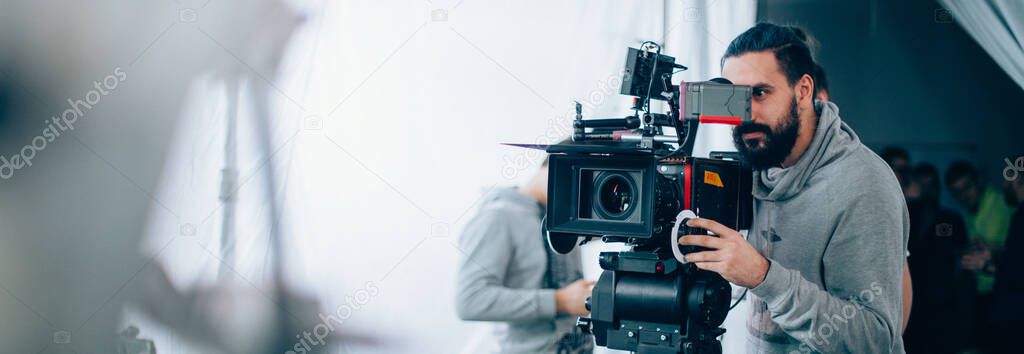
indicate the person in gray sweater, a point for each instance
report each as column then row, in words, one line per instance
column 824, row 256
column 510, row 276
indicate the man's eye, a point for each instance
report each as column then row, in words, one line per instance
column 759, row 92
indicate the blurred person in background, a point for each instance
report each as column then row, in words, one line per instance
column 937, row 238
column 899, row 160
column 988, row 221
column 509, row 274
column 1008, row 291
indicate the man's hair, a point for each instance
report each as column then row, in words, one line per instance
column 891, row 152
column 790, row 45
column 820, row 79
column 926, row 170
column 960, row 169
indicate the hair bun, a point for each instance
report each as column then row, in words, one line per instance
column 805, row 37
column 799, row 32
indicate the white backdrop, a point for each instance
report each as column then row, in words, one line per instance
column 389, row 118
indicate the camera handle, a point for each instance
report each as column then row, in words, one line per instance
column 681, row 219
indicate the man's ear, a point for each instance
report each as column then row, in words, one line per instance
column 805, row 89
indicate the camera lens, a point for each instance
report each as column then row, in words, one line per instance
column 615, row 195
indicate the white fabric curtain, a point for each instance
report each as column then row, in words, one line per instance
column 998, row 26
column 702, row 31
column 389, row 119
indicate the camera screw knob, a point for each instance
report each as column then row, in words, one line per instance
column 584, row 324
column 587, row 304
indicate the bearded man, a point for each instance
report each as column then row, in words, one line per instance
column 825, row 253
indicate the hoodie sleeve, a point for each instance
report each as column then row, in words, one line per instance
column 487, row 247
column 859, row 311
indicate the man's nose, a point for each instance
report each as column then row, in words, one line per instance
column 755, row 113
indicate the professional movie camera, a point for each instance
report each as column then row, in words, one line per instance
column 627, row 180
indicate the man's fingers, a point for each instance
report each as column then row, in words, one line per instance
column 705, row 256
column 701, row 240
column 710, row 266
column 711, row 225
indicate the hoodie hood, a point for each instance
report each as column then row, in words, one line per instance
column 832, row 140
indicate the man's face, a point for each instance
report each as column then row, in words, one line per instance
column 769, row 138
column 901, row 167
column 923, row 187
column 966, row 192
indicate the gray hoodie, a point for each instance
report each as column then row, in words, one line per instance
column 508, row 275
column 834, row 227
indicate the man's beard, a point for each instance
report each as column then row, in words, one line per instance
column 770, row 150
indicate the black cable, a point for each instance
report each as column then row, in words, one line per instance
column 647, row 100
column 654, row 70
column 738, row 300
column 679, row 127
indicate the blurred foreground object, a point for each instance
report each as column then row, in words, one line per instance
column 89, row 98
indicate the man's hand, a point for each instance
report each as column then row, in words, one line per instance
column 730, row 255
column 977, row 260
column 572, row 298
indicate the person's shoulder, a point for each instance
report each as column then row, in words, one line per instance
column 506, row 209
column 506, row 201
column 992, row 199
column 499, row 211
column 863, row 174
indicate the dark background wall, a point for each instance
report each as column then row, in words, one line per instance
column 902, row 73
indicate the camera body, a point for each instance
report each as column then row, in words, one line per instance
column 628, row 180
column 633, row 197
column 646, row 300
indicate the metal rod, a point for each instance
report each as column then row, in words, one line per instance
column 228, row 182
